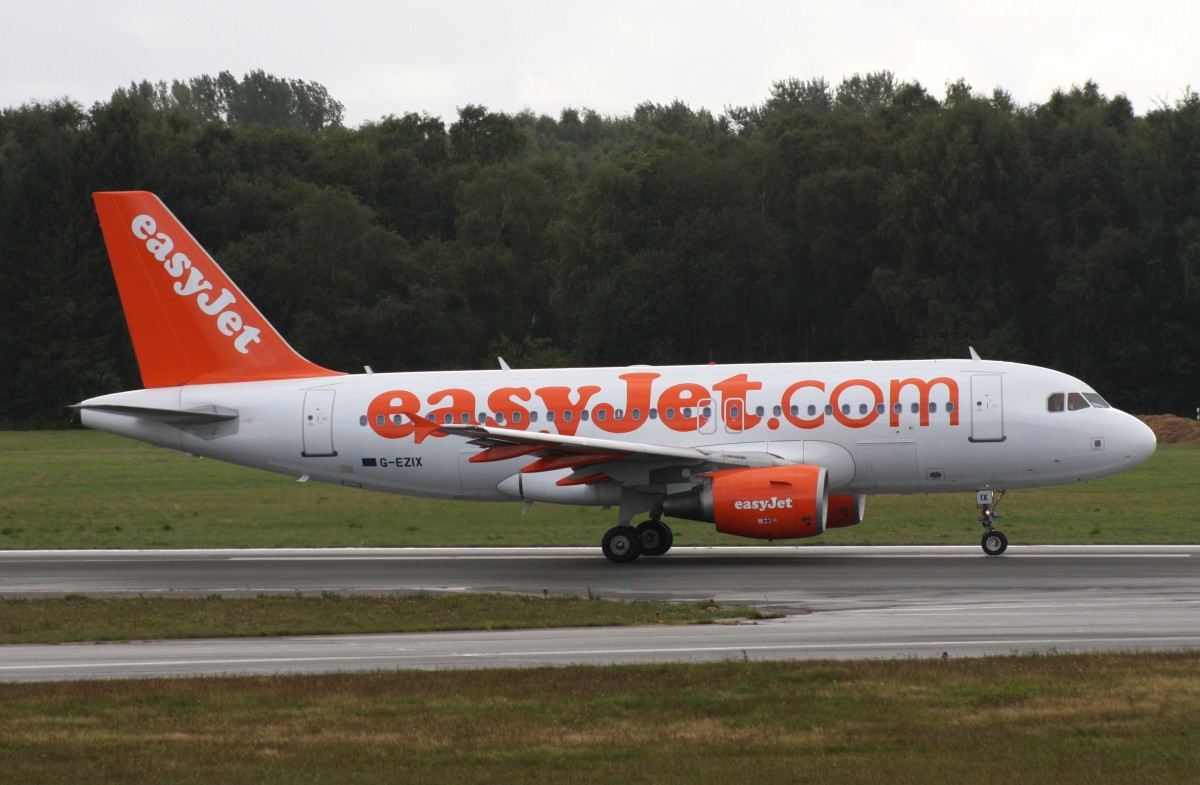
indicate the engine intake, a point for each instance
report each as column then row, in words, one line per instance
column 770, row 503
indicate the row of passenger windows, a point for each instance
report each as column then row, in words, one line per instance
column 686, row 413
column 1071, row 402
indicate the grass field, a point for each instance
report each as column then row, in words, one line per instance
column 104, row 619
column 1064, row 719
column 83, row 489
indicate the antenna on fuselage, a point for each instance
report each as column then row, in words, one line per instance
column 503, row 365
column 974, row 354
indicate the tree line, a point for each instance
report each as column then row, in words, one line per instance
column 867, row 220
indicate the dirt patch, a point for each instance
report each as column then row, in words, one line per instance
column 1171, row 429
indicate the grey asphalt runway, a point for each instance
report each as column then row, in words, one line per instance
column 842, row 602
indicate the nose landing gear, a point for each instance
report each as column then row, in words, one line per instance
column 994, row 542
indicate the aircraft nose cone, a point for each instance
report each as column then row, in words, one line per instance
column 1140, row 442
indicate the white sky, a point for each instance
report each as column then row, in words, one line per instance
column 381, row 57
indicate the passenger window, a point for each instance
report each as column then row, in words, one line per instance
column 778, row 411
column 880, row 408
column 636, row 414
column 600, row 415
column 950, row 407
column 670, row 413
column 932, row 407
column 533, row 416
column 653, row 413
column 829, row 408
column 862, row 408
column 380, row 420
column 812, row 410
column 916, row 408
column 707, row 412
column 1076, row 401
column 448, row 419
column 465, row 418
column 583, row 415
column 759, row 411
column 550, row 416
column 362, row 420
column 686, row 412
column 1055, row 402
column 734, row 412
column 567, row 415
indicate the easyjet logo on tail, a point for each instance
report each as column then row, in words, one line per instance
column 192, row 284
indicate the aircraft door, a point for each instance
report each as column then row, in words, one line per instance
column 318, row 424
column 987, row 408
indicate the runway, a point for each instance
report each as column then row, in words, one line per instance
column 842, row 602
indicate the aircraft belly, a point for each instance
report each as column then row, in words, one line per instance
column 886, row 466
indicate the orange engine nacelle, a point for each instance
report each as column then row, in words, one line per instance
column 845, row 510
column 771, row 503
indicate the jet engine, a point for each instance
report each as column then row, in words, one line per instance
column 769, row 503
column 845, row 510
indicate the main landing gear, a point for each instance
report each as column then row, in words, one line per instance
column 626, row 543
column 994, row 541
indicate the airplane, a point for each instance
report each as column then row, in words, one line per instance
column 774, row 451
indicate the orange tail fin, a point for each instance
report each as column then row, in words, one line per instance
column 190, row 324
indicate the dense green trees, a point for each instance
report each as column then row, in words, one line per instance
column 864, row 220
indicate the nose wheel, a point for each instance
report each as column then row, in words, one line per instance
column 994, row 542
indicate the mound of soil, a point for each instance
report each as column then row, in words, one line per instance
column 1171, row 429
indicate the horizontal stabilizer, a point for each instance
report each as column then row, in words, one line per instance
column 201, row 415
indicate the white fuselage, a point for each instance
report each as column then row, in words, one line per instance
column 877, row 427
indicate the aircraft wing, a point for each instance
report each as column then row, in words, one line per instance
column 593, row 460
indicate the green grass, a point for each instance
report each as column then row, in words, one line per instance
column 83, row 489
column 79, row 618
column 1064, row 719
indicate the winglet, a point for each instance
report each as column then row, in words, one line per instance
column 189, row 322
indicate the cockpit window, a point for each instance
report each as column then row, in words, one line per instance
column 1055, row 402
column 1097, row 401
column 1076, row 401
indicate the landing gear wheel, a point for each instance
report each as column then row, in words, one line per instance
column 621, row 544
column 994, row 543
column 656, row 537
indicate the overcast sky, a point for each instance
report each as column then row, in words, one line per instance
column 381, row 57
